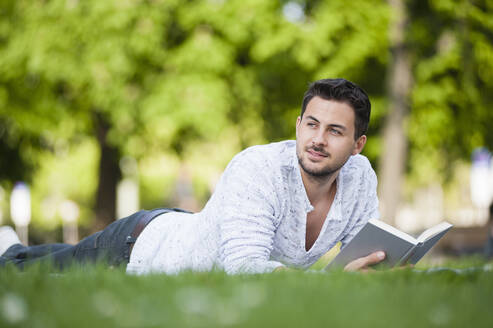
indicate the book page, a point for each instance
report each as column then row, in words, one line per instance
column 429, row 233
column 387, row 227
column 421, row 250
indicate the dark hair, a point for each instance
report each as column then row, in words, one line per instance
column 344, row 91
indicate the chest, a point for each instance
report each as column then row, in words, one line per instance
column 304, row 235
column 315, row 221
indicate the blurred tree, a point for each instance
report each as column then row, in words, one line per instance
column 453, row 96
column 394, row 152
column 207, row 78
column 158, row 76
column 447, row 47
column 68, row 68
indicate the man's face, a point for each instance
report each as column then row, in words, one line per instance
column 325, row 137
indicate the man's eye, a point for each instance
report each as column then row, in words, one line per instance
column 336, row 132
column 311, row 124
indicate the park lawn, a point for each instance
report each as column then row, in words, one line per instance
column 100, row 297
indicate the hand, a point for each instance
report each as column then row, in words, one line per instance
column 363, row 263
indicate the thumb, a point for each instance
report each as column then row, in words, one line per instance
column 375, row 258
column 364, row 262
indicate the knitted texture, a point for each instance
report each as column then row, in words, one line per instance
column 256, row 219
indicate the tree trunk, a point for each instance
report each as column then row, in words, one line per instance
column 393, row 160
column 109, row 175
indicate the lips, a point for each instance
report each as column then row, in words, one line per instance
column 317, row 153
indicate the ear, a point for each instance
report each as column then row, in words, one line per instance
column 298, row 123
column 359, row 144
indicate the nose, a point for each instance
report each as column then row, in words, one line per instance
column 319, row 138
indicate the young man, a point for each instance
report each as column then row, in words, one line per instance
column 278, row 205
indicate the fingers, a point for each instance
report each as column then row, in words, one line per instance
column 355, row 265
column 365, row 262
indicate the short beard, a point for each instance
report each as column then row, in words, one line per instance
column 322, row 174
column 319, row 175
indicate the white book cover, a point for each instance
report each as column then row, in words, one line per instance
column 399, row 247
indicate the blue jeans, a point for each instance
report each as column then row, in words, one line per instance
column 110, row 245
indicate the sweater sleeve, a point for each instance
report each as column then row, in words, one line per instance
column 247, row 216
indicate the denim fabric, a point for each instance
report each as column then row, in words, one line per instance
column 110, row 245
column 488, row 248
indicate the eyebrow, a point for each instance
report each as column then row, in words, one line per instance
column 312, row 118
column 342, row 127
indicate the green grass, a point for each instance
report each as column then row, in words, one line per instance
column 99, row 297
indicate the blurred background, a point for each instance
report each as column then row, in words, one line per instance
column 107, row 107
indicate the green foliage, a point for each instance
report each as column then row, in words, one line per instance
column 452, row 98
column 200, row 80
column 175, row 77
column 53, row 186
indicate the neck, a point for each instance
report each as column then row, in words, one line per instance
column 318, row 188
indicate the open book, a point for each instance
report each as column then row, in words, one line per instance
column 399, row 247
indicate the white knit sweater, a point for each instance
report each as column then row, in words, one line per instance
column 256, row 219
